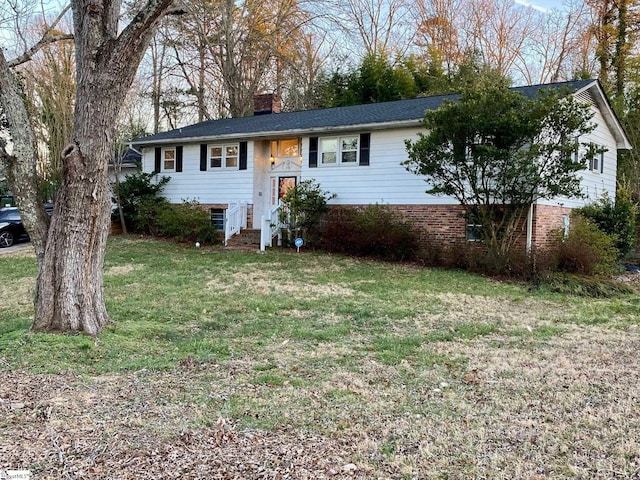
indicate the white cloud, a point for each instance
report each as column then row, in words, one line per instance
column 532, row 5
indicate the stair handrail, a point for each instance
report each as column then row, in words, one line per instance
column 235, row 219
column 270, row 226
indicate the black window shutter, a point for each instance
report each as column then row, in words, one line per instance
column 203, row 157
column 313, row 152
column 602, row 162
column 242, row 165
column 365, row 140
column 179, row 158
column 158, row 164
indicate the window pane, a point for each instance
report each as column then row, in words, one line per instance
column 289, row 147
column 328, row 157
column 169, row 154
column 474, row 227
column 349, row 143
column 329, row 147
column 474, row 232
column 169, row 164
column 231, row 156
column 215, row 160
column 348, row 157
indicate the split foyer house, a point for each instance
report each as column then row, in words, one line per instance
column 239, row 168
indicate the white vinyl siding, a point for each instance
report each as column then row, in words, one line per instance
column 597, row 181
column 384, row 181
column 214, row 186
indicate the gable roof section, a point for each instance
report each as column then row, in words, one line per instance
column 372, row 116
column 596, row 93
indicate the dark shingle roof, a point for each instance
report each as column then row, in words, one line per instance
column 327, row 119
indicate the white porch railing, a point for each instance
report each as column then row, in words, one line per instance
column 270, row 226
column 235, row 218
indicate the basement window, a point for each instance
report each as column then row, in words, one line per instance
column 474, row 227
column 217, row 218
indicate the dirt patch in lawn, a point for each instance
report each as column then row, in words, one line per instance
column 123, row 269
column 264, row 282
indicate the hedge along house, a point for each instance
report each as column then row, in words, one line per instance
column 239, row 168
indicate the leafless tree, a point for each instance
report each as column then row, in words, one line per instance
column 375, row 27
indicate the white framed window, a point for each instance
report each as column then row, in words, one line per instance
column 168, row 159
column 349, row 149
column 596, row 163
column 285, row 148
column 231, row 156
column 339, row 150
column 223, row 156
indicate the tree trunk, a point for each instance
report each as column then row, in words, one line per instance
column 20, row 164
column 69, row 289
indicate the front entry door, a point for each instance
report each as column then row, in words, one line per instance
column 279, row 187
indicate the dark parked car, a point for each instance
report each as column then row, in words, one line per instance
column 11, row 228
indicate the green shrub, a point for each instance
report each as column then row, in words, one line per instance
column 186, row 222
column 587, row 250
column 141, row 201
column 372, row 231
column 303, row 208
column 618, row 219
column 144, row 218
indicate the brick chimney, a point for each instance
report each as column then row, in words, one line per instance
column 265, row 103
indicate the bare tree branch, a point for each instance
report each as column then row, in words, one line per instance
column 47, row 38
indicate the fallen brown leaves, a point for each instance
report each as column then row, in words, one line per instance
column 62, row 426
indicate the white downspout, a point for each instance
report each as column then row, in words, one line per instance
column 529, row 230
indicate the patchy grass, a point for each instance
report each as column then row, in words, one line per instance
column 224, row 364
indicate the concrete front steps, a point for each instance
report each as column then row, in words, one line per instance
column 247, row 239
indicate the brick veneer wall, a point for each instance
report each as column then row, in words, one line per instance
column 546, row 221
column 446, row 224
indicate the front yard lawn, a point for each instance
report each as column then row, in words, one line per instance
column 280, row 365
